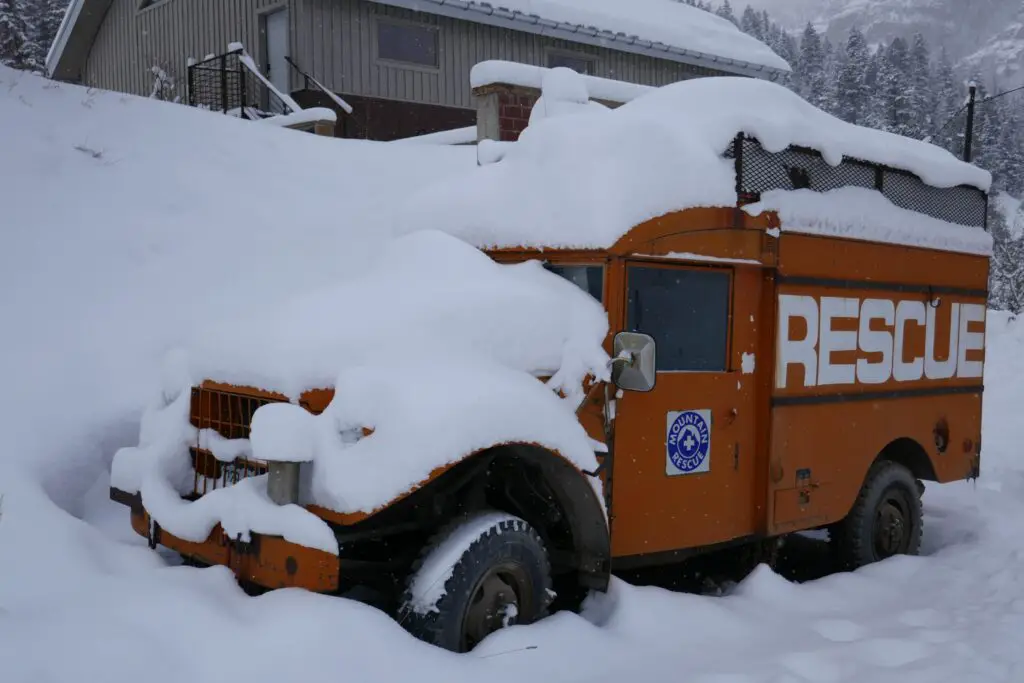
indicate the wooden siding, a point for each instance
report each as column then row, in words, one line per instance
column 337, row 45
column 131, row 41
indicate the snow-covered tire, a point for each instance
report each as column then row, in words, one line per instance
column 459, row 589
column 886, row 519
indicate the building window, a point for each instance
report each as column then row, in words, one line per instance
column 686, row 311
column 407, row 43
column 582, row 64
column 588, row 278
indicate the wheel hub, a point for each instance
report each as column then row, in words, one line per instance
column 890, row 530
column 494, row 606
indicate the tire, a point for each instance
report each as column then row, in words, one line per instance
column 495, row 560
column 886, row 519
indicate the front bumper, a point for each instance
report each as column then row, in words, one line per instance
column 268, row 561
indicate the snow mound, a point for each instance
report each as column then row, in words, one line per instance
column 564, row 92
column 435, row 338
column 584, row 180
column 128, row 225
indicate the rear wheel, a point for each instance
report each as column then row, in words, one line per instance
column 480, row 574
column 886, row 519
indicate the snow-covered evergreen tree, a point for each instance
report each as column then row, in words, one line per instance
column 43, row 18
column 829, row 96
column 922, row 93
column 809, row 74
column 725, row 11
column 751, row 24
column 949, row 101
column 16, row 48
column 853, row 94
column 893, row 109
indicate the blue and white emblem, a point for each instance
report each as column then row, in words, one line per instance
column 688, row 442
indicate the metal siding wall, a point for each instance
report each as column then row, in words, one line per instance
column 335, row 41
column 337, row 44
column 131, row 41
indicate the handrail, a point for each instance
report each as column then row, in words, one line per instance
column 342, row 104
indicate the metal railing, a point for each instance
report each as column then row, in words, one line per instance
column 227, row 83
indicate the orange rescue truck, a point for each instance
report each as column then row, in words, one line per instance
column 777, row 382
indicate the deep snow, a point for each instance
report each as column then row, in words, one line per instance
column 109, row 258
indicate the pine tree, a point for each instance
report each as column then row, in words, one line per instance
column 1013, row 276
column 853, row 93
column 751, row 24
column 809, row 75
column 828, row 99
column 922, row 95
column 949, row 97
column 893, row 111
column 44, row 18
column 1011, row 149
column 16, row 49
column 725, row 11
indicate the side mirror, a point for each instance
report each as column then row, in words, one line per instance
column 633, row 361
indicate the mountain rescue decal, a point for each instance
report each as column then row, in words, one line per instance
column 688, row 442
column 849, row 341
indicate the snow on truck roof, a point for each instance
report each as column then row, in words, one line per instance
column 585, row 180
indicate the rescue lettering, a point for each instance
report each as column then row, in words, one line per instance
column 876, row 331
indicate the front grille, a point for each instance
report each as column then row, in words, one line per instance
column 230, row 415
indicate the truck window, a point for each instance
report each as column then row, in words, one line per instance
column 687, row 313
column 588, row 278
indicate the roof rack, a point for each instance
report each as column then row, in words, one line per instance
column 759, row 171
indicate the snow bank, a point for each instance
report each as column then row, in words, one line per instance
column 583, row 181
column 862, row 214
column 128, row 225
column 660, row 24
column 435, row 338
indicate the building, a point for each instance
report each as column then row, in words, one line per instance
column 403, row 65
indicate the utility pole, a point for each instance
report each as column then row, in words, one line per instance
column 969, row 137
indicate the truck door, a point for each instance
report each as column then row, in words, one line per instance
column 683, row 473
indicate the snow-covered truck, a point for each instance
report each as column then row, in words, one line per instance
column 687, row 325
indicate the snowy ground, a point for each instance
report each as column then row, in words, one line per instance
column 109, row 256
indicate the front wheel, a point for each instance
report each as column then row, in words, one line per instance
column 886, row 520
column 482, row 573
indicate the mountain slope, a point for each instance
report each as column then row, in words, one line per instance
column 979, row 35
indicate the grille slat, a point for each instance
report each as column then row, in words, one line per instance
column 230, row 415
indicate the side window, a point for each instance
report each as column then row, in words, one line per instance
column 408, row 43
column 687, row 313
column 588, row 278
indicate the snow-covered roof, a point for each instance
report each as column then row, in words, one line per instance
column 664, row 29
column 586, row 179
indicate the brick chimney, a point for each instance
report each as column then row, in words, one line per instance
column 505, row 93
